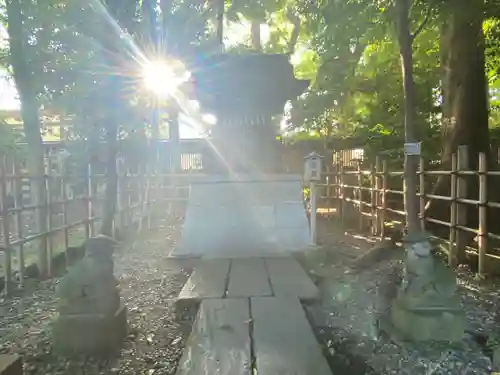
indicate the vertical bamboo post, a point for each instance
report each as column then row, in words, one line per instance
column 383, row 212
column 373, row 199
column 7, row 260
column 313, row 214
column 86, row 203
column 483, row 213
column 64, row 212
column 19, row 220
column 130, row 185
column 422, row 193
column 342, row 194
column 328, row 181
column 360, row 197
column 452, row 254
column 90, row 199
column 49, row 238
column 378, row 187
column 463, row 165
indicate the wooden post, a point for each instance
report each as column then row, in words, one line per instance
column 463, row 165
column 373, row 199
column 7, row 260
column 118, row 222
column 378, row 198
column 19, row 220
column 384, row 199
column 483, row 213
column 328, row 188
column 452, row 254
column 360, row 197
column 64, row 207
column 49, row 235
column 341, row 194
column 130, row 185
column 90, row 197
column 422, row 193
column 313, row 198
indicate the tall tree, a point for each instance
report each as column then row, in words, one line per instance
column 27, row 87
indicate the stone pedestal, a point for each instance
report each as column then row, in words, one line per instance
column 427, row 324
column 91, row 334
column 11, row 365
column 427, row 307
column 92, row 320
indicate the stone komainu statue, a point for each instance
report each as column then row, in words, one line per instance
column 90, row 286
column 91, row 318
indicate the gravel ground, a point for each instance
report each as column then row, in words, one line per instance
column 158, row 327
column 346, row 318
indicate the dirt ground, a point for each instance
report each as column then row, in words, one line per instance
column 346, row 318
column 158, row 328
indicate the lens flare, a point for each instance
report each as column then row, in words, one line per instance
column 162, row 78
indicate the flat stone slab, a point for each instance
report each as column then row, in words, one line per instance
column 284, row 343
column 220, row 340
column 90, row 334
column 207, row 281
column 288, row 279
column 249, row 216
column 248, row 278
column 10, row 365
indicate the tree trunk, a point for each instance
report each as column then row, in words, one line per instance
column 255, row 35
column 111, row 192
column 294, row 37
column 31, row 121
column 219, row 20
column 465, row 100
column 411, row 161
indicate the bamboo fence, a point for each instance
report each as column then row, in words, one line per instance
column 71, row 218
column 370, row 195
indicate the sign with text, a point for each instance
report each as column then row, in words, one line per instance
column 412, row 148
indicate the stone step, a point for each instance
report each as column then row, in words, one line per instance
column 283, row 341
column 208, row 280
column 226, row 330
column 281, row 277
column 11, row 365
column 220, row 340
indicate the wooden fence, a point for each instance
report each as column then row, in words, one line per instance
column 70, row 217
column 369, row 192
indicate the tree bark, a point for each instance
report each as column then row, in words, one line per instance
column 255, row 35
column 111, row 192
column 465, row 100
column 411, row 161
column 23, row 77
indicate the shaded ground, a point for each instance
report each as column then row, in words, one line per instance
column 346, row 317
column 158, row 329
column 344, row 320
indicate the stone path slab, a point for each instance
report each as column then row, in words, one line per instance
column 220, row 340
column 248, row 278
column 281, row 277
column 283, row 341
column 288, row 279
column 207, row 281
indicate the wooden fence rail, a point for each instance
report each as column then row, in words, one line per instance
column 369, row 194
column 70, row 217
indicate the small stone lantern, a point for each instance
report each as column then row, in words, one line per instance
column 312, row 167
column 312, row 174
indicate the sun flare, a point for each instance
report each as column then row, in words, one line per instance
column 162, row 78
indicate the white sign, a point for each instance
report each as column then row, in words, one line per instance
column 412, row 148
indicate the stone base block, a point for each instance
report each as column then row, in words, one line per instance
column 11, row 365
column 96, row 335
column 427, row 325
